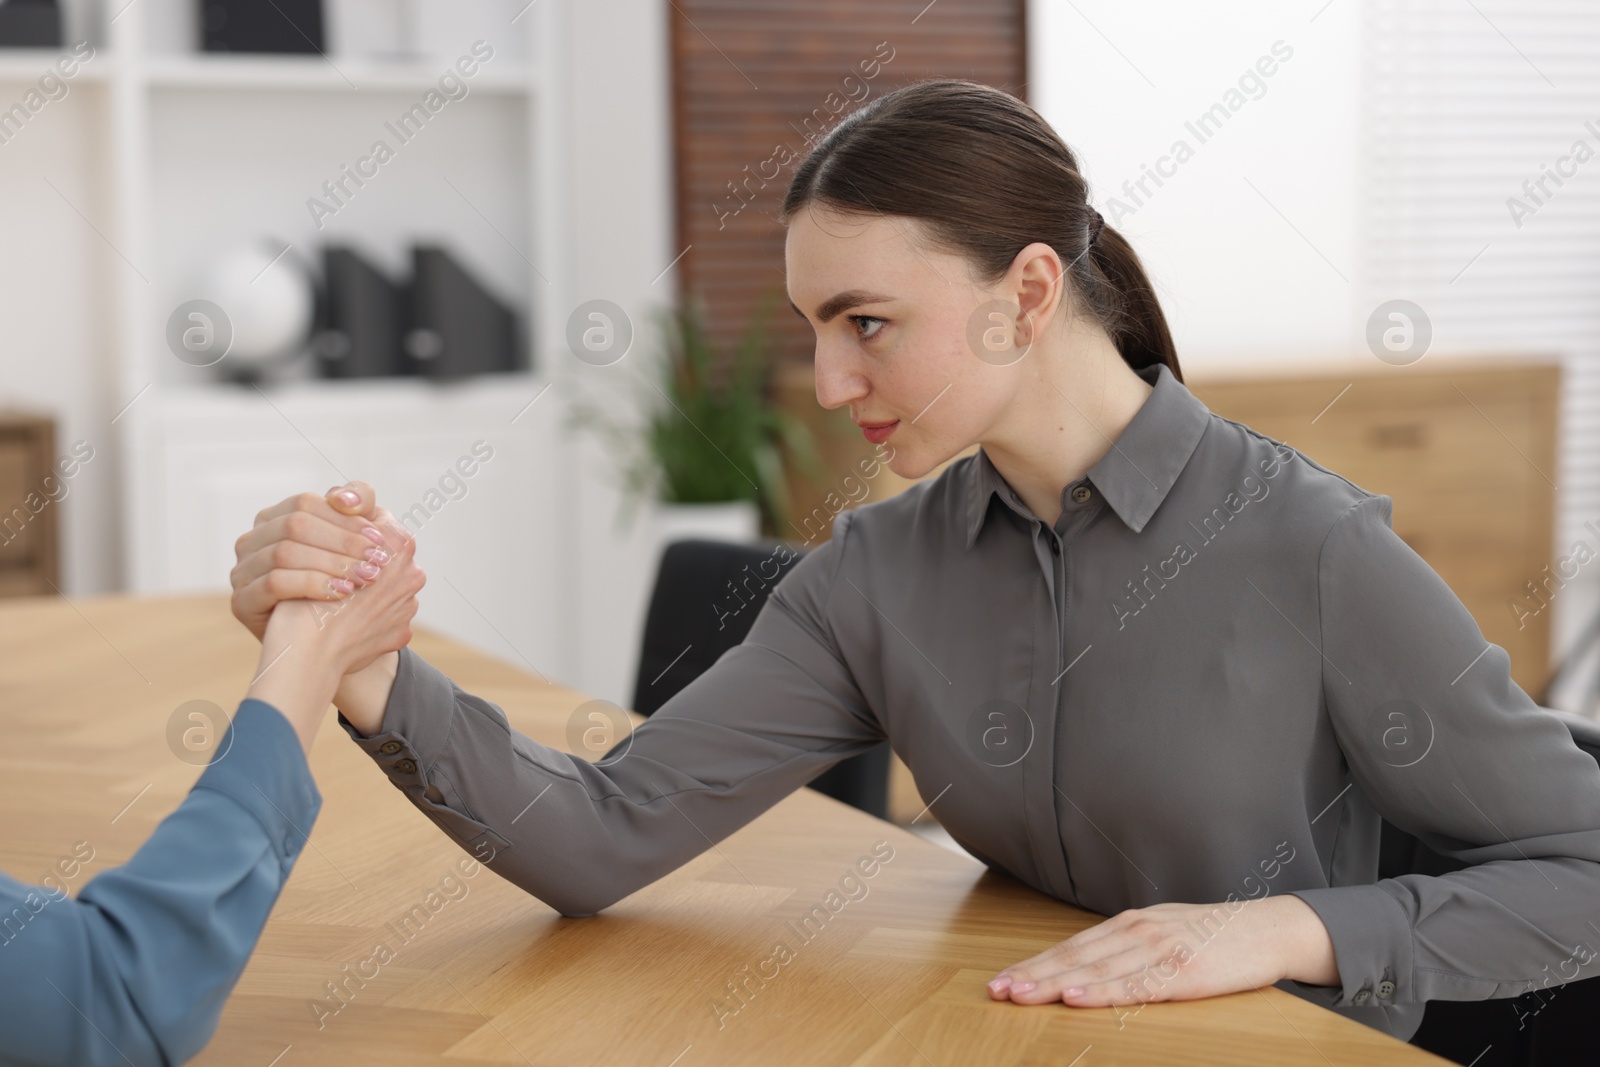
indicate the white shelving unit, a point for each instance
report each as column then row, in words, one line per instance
column 204, row 152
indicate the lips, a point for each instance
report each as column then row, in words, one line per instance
column 877, row 432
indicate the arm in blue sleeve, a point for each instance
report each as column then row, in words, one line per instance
column 136, row 969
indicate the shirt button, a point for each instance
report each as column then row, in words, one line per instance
column 1081, row 493
column 389, row 748
column 1385, row 989
column 1363, row 996
column 406, row 766
column 1055, row 547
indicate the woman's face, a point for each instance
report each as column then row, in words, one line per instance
column 893, row 318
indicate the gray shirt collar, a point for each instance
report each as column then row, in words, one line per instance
column 1138, row 471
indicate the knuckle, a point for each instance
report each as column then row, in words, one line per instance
column 306, row 501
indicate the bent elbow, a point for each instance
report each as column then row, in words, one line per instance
column 581, row 905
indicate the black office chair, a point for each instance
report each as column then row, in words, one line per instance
column 1545, row 1028
column 706, row 598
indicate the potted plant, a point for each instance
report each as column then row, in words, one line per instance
column 707, row 446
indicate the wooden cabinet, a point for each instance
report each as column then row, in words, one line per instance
column 28, row 505
column 1467, row 451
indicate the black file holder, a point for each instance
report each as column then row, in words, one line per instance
column 364, row 317
column 458, row 328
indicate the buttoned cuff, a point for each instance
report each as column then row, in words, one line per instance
column 1399, row 1021
column 1372, row 944
column 417, row 723
column 261, row 767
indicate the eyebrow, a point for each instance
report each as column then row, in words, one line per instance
column 849, row 299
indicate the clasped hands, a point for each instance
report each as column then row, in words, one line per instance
column 337, row 575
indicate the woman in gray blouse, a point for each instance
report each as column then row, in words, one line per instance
column 1139, row 656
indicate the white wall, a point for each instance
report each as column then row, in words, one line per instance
column 1255, row 244
column 54, row 284
column 1239, row 284
column 621, row 241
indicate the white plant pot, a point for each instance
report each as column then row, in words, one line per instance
column 733, row 520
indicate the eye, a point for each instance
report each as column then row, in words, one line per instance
column 860, row 320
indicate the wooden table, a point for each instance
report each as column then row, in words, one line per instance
column 496, row 977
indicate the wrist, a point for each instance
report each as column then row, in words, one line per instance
column 1307, row 949
column 296, row 675
column 363, row 696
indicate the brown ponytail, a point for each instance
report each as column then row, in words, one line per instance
column 987, row 176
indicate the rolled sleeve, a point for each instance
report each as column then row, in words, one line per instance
column 1442, row 743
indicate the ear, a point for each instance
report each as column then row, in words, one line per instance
column 1037, row 285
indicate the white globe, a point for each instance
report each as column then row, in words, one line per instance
column 269, row 304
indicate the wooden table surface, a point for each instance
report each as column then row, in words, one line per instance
column 493, row 976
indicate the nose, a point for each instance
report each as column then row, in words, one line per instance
column 839, row 381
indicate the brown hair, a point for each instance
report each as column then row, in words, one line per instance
column 987, row 176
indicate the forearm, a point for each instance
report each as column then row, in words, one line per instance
column 662, row 797
column 297, row 676
column 508, row 801
column 1493, row 930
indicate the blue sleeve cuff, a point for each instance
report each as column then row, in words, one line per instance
column 262, row 768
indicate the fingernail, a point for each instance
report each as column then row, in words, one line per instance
column 348, row 497
column 366, row 570
column 341, row 586
column 1000, row 984
column 373, row 534
column 1073, row 992
column 1023, row 987
column 377, row 555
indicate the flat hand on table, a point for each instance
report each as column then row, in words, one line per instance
column 1177, row 952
